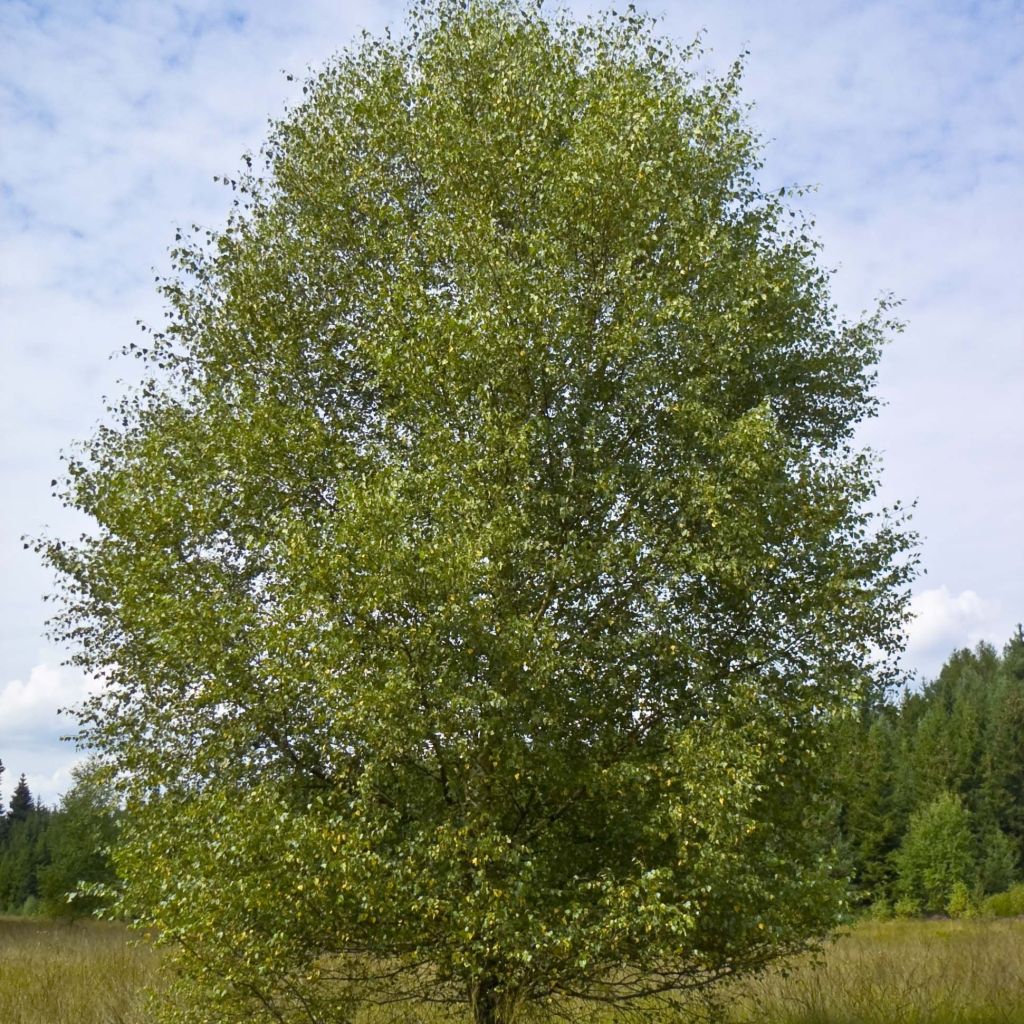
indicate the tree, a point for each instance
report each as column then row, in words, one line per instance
column 1002, row 797
column 79, row 840
column 22, row 804
column 477, row 573
column 865, row 774
column 937, row 852
column 23, row 850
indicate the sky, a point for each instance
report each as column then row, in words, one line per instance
column 906, row 116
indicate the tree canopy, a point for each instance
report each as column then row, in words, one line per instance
column 476, row 573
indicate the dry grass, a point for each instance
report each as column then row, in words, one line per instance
column 83, row 973
column 896, row 972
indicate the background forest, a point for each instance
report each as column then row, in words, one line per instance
column 931, row 816
column 933, row 786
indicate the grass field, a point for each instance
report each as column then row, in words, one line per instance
column 85, row 973
column 899, row 972
column 896, row 972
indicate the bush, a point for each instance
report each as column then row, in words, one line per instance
column 1005, row 904
column 906, row 906
column 960, row 903
column 880, row 910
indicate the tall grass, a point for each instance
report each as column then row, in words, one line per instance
column 894, row 972
column 82, row 973
column 898, row 972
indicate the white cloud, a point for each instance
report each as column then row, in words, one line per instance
column 31, row 728
column 28, row 707
column 943, row 622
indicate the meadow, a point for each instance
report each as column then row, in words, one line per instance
column 88, row 972
column 893, row 972
column 898, row 972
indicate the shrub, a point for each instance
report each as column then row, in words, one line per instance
column 960, row 903
column 906, row 906
column 880, row 910
column 1005, row 904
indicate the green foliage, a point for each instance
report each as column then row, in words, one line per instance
column 997, row 861
column 936, row 853
column 477, row 577
column 1005, row 904
column 960, row 903
column 906, row 906
column 866, row 778
column 23, row 851
column 79, row 840
column 881, row 909
column 45, row 854
column 22, row 805
column 963, row 733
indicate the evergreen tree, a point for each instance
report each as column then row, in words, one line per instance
column 869, row 822
column 997, row 861
column 1001, row 802
column 962, row 734
column 22, row 804
column 23, row 855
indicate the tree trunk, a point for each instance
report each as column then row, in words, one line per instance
column 491, row 1006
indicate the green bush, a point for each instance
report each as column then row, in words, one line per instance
column 960, row 903
column 880, row 910
column 30, row 908
column 1005, row 904
column 906, row 906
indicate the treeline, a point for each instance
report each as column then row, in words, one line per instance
column 46, row 852
column 932, row 817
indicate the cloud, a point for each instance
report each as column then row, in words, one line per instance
column 31, row 728
column 943, row 622
column 28, row 707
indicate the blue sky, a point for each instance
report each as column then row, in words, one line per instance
column 906, row 115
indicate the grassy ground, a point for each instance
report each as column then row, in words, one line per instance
column 85, row 973
column 897, row 972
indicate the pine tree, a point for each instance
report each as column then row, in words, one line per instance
column 22, row 804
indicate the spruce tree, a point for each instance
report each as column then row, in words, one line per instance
column 22, row 804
